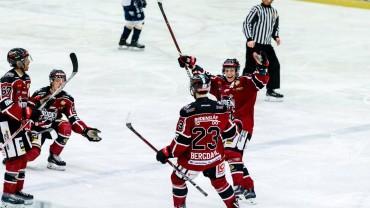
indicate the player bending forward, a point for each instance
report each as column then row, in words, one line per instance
column 63, row 104
column 201, row 129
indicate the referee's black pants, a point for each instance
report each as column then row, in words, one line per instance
column 274, row 68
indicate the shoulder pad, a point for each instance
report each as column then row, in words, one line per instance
column 65, row 95
column 187, row 110
column 8, row 77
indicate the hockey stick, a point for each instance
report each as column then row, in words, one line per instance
column 44, row 131
column 74, row 71
column 172, row 34
column 129, row 125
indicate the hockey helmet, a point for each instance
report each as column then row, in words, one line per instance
column 57, row 73
column 200, row 84
column 231, row 63
column 17, row 54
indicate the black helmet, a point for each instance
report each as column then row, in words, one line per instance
column 199, row 84
column 17, row 54
column 231, row 63
column 57, row 73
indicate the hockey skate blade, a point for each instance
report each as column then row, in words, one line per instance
column 130, row 48
column 241, row 199
column 53, row 166
column 273, row 99
column 123, row 47
column 7, row 205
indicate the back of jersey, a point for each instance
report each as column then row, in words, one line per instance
column 198, row 144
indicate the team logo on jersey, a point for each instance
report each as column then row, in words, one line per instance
column 63, row 102
column 237, row 82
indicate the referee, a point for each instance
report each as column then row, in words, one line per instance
column 260, row 25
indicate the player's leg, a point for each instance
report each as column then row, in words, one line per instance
column 136, row 34
column 223, row 188
column 179, row 191
column 236, row 165
column 64, row 130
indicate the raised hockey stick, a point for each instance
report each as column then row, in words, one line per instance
column 172, row 34
column 129, row 125
column 74, row 71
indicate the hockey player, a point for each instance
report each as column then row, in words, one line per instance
column 15, row 112
column 198, row 144
column 134, row 16
column 239, row 94
column 63, row 104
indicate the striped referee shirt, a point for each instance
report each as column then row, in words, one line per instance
column 261, row 24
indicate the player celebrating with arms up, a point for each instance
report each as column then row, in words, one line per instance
column 239, row 93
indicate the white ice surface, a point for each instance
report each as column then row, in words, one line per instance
column 312, row 150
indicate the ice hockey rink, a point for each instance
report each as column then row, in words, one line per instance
column 312, row 150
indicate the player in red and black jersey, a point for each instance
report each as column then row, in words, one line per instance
column 239, row 93
column 62, row 108
column 202, row 128
column 15, row 112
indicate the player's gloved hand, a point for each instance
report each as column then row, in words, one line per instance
column 32, row 113
column 187, row 61
column 197, row 70
column 164, row 154
column 91, row 134
column 261, row 61
column 239, row 124
column 31, row 135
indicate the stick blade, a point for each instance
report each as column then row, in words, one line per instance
column 74, row 61
column 128, row 119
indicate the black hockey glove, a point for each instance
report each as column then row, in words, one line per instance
column 31, row 135
column 187, row 61
column 32, row 113
column 164, row 154
column 262, row 62
column 91, row 134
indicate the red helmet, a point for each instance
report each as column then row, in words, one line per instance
column 231, row 63
column 57, row 73
column 17, row 54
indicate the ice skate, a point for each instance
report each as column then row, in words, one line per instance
column 238, row 191
column 272, row 96
column 123, row 44
column 11, row 201
column 250, row 196
column 55, row 162
column 28, row 198
column 137, row 45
